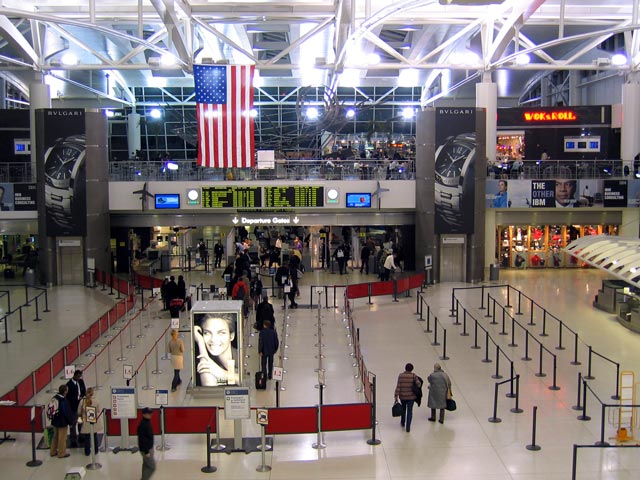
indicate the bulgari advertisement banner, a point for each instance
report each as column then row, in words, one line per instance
column 61, row 160
column 562, row 193
column 455, row 170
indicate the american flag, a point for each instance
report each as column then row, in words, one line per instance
column 224, row 99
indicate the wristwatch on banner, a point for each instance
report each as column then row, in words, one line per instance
column 454, row 171
column 62, row 164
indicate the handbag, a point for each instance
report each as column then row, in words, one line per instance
column 396, row 410
column 416, row 388
column 451, row 405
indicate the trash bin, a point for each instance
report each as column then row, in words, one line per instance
column 30, row 277
column 494, row 271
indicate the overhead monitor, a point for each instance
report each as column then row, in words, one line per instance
column 358, row 200
column 167, row 200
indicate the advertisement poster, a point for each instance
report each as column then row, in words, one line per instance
column 25, row 196
column 562, row 193
column 217, row 338
column 6, row 196
column 63, row 164
column 455, row 170
column 615, row 193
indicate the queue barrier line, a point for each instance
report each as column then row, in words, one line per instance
column 45, row 374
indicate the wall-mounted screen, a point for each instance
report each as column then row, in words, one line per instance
column 167, row 200
column 358, row 200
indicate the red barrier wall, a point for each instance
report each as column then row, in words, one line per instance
column 292, row 420
column 382, row 288
column 85, row 340
column 358, row 291
column 416, row 281
column 18, row 419
column 346, row 417
column 58, row 362
column 403, row 284
column 189, row 419
column 43, row 376
column 72, row 351
column 113, row 424
column 95, row 331
column 104, row 324
column 25, row 390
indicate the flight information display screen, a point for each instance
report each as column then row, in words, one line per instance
column 232, row 197
column 292, row 197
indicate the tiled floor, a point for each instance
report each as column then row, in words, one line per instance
column 467, row 445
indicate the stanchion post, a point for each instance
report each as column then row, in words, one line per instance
column 511, row 394
column 209, row 468
column 218, row 447
column 486, row 358
column 516, row 408
column 526, row 357
column 513, row 333
column 533, row 447
column 482, row 298
column 575, row 350
column 263, row 467
column 464, row 323
column 544, row 323
column 615, row 396
column 497, row 374
column 560, row 347
column 37, row 319
column 475, row 345
column 584, row 417
column 46, row 302
column 577, row 406
column 602, row 442
column 157, row 370
column 444, row 345
column 163, row 444
column 588, row 376
column 319, row 445
column 109, row 370
column 540, row 372
column 34, row 462
column 435, row 342
column 373, row 440
column 554, row 386
column 93, row 465
column 495, row 418
column 6, row 329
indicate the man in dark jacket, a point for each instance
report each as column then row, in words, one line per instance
column 264, row 312
column 267, row 347
column 76, row 392
column 145, row 444
column 218, row 251
column 60, row 423
column 365, row 253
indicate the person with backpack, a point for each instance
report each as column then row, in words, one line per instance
column 341, row 257
column 240, row 291
column 61, row 416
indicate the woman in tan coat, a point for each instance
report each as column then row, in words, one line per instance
column 176, row 349
column 90, row 401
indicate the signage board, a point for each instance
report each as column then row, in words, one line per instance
column 162, row 397
column 236, row 404
column 231, row 197
column 69, row 370
column 123, row 402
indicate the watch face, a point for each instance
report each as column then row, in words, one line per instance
column 450, row 162
column 60, row 163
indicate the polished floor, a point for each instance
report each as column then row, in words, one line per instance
column 466, row 446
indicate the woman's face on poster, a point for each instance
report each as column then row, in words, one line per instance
column 217, row 335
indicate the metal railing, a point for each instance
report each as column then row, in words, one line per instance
column 355, row 169
column 566, row 169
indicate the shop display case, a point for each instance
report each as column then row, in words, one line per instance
column 541, row 246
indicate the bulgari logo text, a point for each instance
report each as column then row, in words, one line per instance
column 65, row 113
column 456, row 111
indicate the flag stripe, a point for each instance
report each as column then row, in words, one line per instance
column 224, row 96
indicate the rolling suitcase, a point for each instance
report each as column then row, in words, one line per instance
column 261, row 381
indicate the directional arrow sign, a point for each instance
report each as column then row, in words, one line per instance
column 296, row 219
column 235, row 220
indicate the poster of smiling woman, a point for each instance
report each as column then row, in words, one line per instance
column 216, row 328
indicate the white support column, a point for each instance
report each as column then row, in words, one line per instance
column 487, row 98
column 133, row 133
column 39, row 97
column 630, row 141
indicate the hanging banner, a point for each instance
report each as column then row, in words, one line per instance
column 455, row 169
column 61, row 166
